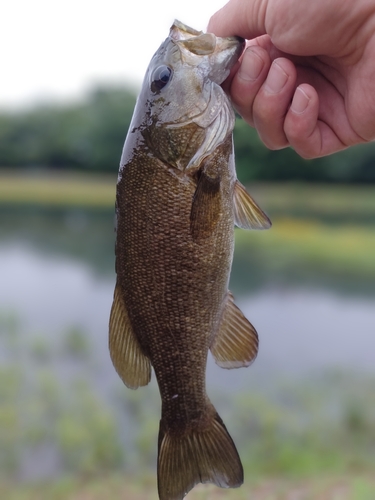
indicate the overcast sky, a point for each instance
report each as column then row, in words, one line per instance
column 53, row 49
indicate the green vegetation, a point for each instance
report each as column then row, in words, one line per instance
column 89, row 135
column 320, row 233
column 255, row 162
column 84, row 135
column 57, row 190
column 296, row 250
column 315, row 437
column 358, row 487
column 326, row 202
column 41, row 410
column 323, row 201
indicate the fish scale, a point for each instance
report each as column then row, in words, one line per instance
column 176, row 205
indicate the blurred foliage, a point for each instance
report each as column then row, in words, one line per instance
column 300, row 429
column 86, row 135
column 56, row 189
column 305, row 251
column 324, row 424
column 76, row 343
column 86, row 433
column 331, row 204
column 89, row 135
column 349, row 487
column 43, row 412
column 255, row 162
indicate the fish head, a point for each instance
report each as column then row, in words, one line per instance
column 183, row 112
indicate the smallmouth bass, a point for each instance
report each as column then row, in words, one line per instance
column 177, row 202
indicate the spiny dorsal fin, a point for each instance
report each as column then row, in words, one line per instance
column 127, row 357
column 198, row 455
column 236, row 343
column 247, row 214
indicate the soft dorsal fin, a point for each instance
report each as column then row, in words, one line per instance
column 247, row 214
column 127, row 357
column 236, row 342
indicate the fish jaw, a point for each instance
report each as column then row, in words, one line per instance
column 222, row 52
column 181, row 31
column 228, row 51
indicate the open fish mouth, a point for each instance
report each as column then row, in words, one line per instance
column 224, row 52
column 181, row 31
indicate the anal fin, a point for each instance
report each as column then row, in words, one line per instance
column 247, row 213
column 236, row 342
column 130, row 362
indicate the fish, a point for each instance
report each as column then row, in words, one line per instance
column 177, row 202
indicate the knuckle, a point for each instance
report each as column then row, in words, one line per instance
column 274, row 142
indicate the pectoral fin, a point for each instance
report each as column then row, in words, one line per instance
column 247, row 214
column 127, row 357
column 205, row 210
column 236, row 343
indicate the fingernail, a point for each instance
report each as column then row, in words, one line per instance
column 300, row 101
column 251, row 66
column 276, row 79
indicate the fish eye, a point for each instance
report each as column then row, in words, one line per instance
column 160, row 78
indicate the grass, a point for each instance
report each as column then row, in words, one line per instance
column 356, row 487
column 57, row 190
column 91, row 189
column 327, row 201
column 306, row 439
column 341, row 249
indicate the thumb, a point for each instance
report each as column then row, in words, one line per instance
column 245, row 18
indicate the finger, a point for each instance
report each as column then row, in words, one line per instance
column 238, row 18
column 301, row 125
column 317, row 123
column 247, row 81
column 272, row 103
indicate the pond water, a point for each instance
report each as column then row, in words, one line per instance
column 57, row 274
column 57, row 271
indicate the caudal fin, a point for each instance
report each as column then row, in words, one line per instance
column 197, row 456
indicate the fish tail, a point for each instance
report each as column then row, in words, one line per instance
column 198, row 455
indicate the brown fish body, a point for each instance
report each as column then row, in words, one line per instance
column 174, row 283
column 177, row 202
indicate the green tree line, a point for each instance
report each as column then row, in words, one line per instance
column 89, row 135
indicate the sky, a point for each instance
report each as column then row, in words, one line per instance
column 59, row 50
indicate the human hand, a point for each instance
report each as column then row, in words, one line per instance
column 308, row 78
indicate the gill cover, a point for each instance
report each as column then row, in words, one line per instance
column 182, row 94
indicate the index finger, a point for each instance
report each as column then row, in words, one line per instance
column 239, row 18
